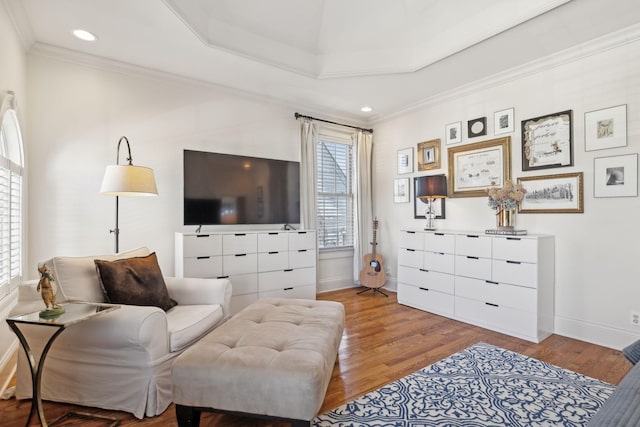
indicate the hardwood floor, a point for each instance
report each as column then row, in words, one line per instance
column 383, row 341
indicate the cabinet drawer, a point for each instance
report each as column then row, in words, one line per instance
column 282, row 279
column 438, row 261
column 302, row 258
column 273, row 242
column 426, row 279
column 202, row 245
column 473, row 245
column 439, row 242
column 244, row 283
column 238, row 302
column 239, row 264
column 302, row 240
column 270, row 261
column 205, row 267
column 304, row 292
column 499, row 294
column 410, row 257
column 425, row 299
column 500, row 318
column 411, row 240
column 515, row 272
column 239, row 243
column 479, row 268
column 515, row 249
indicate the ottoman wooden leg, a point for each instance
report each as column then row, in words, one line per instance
column 187, row 416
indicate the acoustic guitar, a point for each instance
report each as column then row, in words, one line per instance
column 372, row 274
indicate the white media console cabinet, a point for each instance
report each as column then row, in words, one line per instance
column 499, row 282
column 259, row 264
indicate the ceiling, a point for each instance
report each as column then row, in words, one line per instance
column 327, row 57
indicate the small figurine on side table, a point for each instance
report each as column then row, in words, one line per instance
column 48, row 291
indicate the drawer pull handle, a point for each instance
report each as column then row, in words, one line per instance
column 514, row 238
column 491, row 283
column 273, row 253
column 411, row 250
column 288, row 270
column 424, row 270
column 411, row 232
column 240, row 234
column 423, row 289
column 439, row 253
column 288, row 289
column 203, row 257
column 472, row 257
column 302, row 250
column 202, row 235
column 302, row 232
column 472, row 236
column 513, row 262
column 240, row 255
column 222, row 277
column 439, row 234
column 273, row 233
column 492, row 305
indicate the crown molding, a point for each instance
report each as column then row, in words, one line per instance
column 18, row 16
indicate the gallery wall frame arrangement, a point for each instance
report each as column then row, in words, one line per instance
column 477, row 127
column 401, row 190
column 547, row 141
column 429, row 155
column 405, row 161
column 605, row 128
column 453, row 132
column 420, row 205
column 503, row 121
column 615, row 176
column 559, row 193
column 473, row 168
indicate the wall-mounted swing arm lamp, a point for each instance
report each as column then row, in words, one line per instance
column 431, row 187
column 129, row 181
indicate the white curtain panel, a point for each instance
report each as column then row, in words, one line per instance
column 362, row 210
column 308, row 166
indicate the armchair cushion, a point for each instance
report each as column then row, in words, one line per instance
column 188, row 323
column 134, row 281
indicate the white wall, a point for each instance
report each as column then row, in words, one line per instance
column 597, row 265
column 13, row 78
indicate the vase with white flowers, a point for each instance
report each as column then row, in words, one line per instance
column 505, row 200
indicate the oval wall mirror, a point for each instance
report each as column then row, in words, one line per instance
column 10, row 133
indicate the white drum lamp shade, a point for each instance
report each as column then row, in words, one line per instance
column 128, row 180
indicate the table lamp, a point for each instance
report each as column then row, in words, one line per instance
column 431, row 187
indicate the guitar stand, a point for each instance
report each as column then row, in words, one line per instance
column 374, row 291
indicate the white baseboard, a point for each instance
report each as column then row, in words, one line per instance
column 335, row 283
column 594, row 333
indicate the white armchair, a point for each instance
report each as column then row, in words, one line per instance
column 120, row 360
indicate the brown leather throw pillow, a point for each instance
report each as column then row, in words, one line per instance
column 134, row 281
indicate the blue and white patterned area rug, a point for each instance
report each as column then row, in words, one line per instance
column 482, row 385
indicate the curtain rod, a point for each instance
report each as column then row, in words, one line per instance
column 298, row 115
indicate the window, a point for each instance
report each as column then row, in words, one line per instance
column 335, row 195
column 11, row 169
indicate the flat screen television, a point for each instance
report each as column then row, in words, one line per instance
column 231, row 189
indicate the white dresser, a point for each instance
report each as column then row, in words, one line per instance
column 503, row 283
column 258, row 263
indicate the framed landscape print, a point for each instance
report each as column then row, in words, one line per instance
column 547, row 141
column 429, row 155
column 453, row 133
column 475, row 167
column 503, row 121
column 401, row 190
column 420, row 205
column 405, row 161
column 606, row 128
column 615, row 176
column 562, row 193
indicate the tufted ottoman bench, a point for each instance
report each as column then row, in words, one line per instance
column 273, row 359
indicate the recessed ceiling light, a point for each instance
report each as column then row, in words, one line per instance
column 366, row 109
column 85, row 35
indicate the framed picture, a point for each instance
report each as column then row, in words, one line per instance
column 503, row 121
column 561, row 193
column 405, row 161
column 401, row 190
column 453, row 132
column 547, row 141
column 475, row 167
column 477, row 127
column 615, row 176
column 429, row 155
column 605, row 128
column 420, row 205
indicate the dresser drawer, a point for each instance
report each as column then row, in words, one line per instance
column 411, row 240
column 500, row 294
column 515, row 249
column 425, row 299
column 269, row 261
column 479, row 268
column 282, row 279
column 499, row 318
column 244, row 283
column 439, row 242
column 239, row 264
column 273, row 242
column 302, row 240
column 426, row 279
column 238, row 302
column 410, row 257
column 239, row 243
column 438, row 261
column 515, row 272
column 302, row 258
column 205, row 267
column 473, row 245
column 202, row 245
column 304, row 292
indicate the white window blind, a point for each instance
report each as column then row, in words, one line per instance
column 335, row 195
